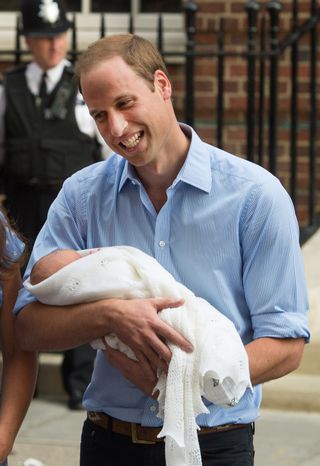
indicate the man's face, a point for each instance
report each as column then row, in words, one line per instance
column 48, row 51
column 134, row 120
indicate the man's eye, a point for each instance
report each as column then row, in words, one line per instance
column 125, row 103
column 98, row 116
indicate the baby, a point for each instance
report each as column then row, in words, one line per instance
column 52, row 263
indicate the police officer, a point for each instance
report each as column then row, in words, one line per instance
column 47, row 134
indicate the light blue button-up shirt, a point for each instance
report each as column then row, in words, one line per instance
column 228, row 232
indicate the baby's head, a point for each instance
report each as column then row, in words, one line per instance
column 48, row 265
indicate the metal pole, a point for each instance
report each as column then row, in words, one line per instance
column 190, row 25
column 220, row 90
column 252, row 8
column 74, row 48
column 262, row 78
column 160, row 33
column 18, row 46
column 294, row 119
column 274, row 8
column 313, row 115
column 102, row 25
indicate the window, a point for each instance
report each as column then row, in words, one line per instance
column 116, row 13
column 110, row 6
column 145, row 14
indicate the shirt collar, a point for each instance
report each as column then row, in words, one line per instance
column 34, row 74
column 196, row 170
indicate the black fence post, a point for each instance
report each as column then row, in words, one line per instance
column 74, row 39
column 220, row 87
column 102, row 26
column 190, row 22
column 160, row 33
column 274, row 7
column 313, row 114
column 262, row 78
column 18, row 46
column 252, row 8
column 131, row 24
column 293, row 105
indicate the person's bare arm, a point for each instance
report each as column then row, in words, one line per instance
column 271, row 358
column 19, row 371
column 135, row 322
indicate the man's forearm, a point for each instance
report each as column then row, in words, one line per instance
column 41, row 327
column 271, row 358
column 135, row 321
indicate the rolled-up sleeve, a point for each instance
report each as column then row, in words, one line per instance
column 273, row 270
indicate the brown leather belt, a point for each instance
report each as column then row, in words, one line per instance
column 143, row 434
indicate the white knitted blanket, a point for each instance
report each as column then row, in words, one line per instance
column 217, row 369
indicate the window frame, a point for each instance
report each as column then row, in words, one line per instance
column 88, row 28
column 135, row 8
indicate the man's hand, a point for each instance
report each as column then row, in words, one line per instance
column 132, row 371
column 136, row 323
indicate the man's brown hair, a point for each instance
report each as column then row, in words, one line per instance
column 136, row 51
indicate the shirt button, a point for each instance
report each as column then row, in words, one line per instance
column 162, row 244
column 153, row 408
column 133, row 182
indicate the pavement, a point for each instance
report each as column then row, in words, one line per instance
column 288, row 430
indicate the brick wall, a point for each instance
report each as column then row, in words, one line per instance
column 208, row 17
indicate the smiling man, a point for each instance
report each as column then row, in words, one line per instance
column 222, row 226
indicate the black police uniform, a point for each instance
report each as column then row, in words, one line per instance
column 43, row 146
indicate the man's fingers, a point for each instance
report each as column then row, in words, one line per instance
column 171, row 335
column 152, row 360
column 124, row 364
column 167, row 332
column 164, row 303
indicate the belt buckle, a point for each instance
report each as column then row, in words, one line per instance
column 94, row 416
column 135, row 438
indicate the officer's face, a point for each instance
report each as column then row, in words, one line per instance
column 48, row 51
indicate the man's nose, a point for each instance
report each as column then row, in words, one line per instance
column 54, row 42
column 117, row 124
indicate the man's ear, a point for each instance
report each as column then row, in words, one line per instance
column 163, row 84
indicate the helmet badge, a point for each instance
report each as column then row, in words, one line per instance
column 49, row 11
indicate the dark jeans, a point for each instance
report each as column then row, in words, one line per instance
column 100, row 447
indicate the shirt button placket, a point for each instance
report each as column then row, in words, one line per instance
column 162, row 235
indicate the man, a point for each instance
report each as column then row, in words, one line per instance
column 222, row 226
column 46, row 134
